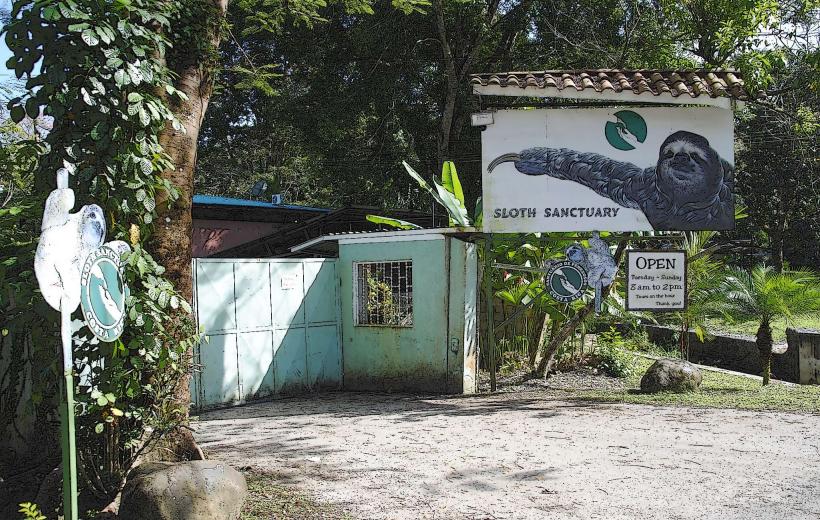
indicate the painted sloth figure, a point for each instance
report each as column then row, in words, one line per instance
column 66, row 241
column 690, row 188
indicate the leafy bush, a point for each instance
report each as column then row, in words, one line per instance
column 31, row 511
column 126, row 393
column 612, row 356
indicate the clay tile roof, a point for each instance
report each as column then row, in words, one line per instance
column 691, row 83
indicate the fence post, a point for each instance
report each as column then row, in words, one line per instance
column 488, row 295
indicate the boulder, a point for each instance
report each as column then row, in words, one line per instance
column 195, row 490
column 671, row 375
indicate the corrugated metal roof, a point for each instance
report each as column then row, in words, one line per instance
column 228, row 201
column 384, row 235
column 343, row 220
column 692, row 83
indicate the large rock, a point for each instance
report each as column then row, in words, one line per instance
column 671, row 375
column 196, row 490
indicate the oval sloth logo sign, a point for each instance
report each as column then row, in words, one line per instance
column 566, row 281
column 628, row 129
column 103, row 294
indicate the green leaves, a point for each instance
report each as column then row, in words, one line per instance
column 455, row 207
column 145, row 119
column 51, row 14
column 31, row 511
column 99, row 69
column 450, row 182
column 18, row 113
column 89, row 36
column 135, row 73
column 393, row 222
column 121, row 78
column 103, row 399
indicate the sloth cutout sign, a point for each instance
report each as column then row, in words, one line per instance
column 74, row 265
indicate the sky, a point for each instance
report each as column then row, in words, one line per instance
column 5, row 53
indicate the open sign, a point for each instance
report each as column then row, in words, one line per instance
column 655, row 280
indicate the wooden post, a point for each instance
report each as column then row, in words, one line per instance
column 488, row 295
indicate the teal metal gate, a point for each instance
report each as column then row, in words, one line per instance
column 272, row 328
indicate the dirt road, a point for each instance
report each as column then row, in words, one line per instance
column 521, row 456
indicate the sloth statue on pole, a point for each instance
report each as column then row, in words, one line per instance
column 690, row 187
column 66, row 241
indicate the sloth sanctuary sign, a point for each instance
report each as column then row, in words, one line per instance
column 637, row 169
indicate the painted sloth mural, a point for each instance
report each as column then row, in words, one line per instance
column 689, row 188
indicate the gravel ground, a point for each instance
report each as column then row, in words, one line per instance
column 526, row 455
column 581, row 378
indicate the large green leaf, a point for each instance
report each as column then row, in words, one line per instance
column 394, row 222
column 478, row 215
column 456, row 210
column 449, row 179
column 419, row 179
column 89, row 37
column 18, row 113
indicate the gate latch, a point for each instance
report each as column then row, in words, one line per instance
column 454, row 345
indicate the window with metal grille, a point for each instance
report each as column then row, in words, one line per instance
column 384, row 293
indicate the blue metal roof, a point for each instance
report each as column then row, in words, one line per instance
column 228, row 201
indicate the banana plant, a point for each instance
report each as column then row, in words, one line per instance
column 448, row 193
column 392, row 222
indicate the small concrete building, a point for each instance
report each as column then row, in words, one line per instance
column 233, row 228
column 382, row 311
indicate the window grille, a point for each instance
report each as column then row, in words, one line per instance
column 384, row 293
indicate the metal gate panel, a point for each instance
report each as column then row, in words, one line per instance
column 272, row 327
column 321, row 304
column 324, row 356
column 290, row 361
column 219, row 379
column 255, row 364
column 253, row 301
column 215, row 295
column 287, row 293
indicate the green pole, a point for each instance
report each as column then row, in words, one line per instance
column 68, row 437
column 488, row 295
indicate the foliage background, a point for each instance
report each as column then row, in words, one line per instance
column 332, row 109
column 95, row 71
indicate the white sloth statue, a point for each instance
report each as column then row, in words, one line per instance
column 598, row 262
column 65, row 243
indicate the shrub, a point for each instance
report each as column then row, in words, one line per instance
column 31, row 511
column 611, row 355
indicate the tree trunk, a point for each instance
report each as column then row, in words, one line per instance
column 764, row 345
column 683, row 340
column 537, row 336
column 457, row 72
column 542, row 360
column 171, row 241
column 777, row 251
column 558, row 339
